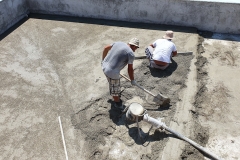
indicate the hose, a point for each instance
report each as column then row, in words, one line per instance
column 159, row 124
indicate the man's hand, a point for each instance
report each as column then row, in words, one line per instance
column 174, row 53
column 133, row 82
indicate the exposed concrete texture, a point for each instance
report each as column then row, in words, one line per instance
column 211, row 16
column 11, row 12
column 51, row 67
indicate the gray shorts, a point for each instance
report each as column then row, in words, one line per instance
column 154, row 65
column 114, row 86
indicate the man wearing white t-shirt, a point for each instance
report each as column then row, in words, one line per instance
column 160, row 52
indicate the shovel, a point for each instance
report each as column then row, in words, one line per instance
column 158, row 99
column 181, row 53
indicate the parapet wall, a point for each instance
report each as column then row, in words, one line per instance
column 210, row 16
column 11, row 12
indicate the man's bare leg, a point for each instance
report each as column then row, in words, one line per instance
column 116, row 98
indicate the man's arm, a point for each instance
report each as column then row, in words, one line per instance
column 174, row 53
column 152, row 45
column 130, row 71
column 105, row 51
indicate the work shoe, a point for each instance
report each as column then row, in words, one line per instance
column 118, row 105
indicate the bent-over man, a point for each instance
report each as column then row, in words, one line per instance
column 114, row 58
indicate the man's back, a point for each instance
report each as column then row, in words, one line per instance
column 118, row 57
column 163, row 50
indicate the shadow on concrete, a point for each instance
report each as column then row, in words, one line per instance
column 115, row 114
column 219, row 36
column 139, row 25
column 152, row 26
column 164, row 73
column 119, row 118
column 146, row 138
column 11, row 29
column 160, row 108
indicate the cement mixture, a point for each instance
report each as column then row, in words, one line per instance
column 50, row 67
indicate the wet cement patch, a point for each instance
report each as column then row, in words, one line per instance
column 98, row 119
column 51, row 67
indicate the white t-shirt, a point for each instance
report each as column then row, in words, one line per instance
column 163, row 50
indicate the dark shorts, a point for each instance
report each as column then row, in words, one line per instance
column 114, row 86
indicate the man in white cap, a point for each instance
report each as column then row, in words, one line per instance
column 161, row 51
column 114, row 58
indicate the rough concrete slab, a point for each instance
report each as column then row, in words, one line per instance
column 219, row 109
column 50, row 67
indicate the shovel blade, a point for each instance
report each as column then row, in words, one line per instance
column 161, row 99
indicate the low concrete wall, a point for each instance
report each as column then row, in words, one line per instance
column 209, row 16
column 11, row 12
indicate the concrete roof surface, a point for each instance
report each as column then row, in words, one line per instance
column 50, row 67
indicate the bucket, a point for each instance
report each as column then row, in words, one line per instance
column 135, row 110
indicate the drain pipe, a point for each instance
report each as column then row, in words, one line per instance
column 158, row 124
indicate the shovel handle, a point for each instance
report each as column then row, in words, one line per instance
column 141, row 57
column 138, row 85
column 125, row 77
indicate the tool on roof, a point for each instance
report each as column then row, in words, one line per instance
column 181, row 53
column 136, row 113
column 158, row 99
